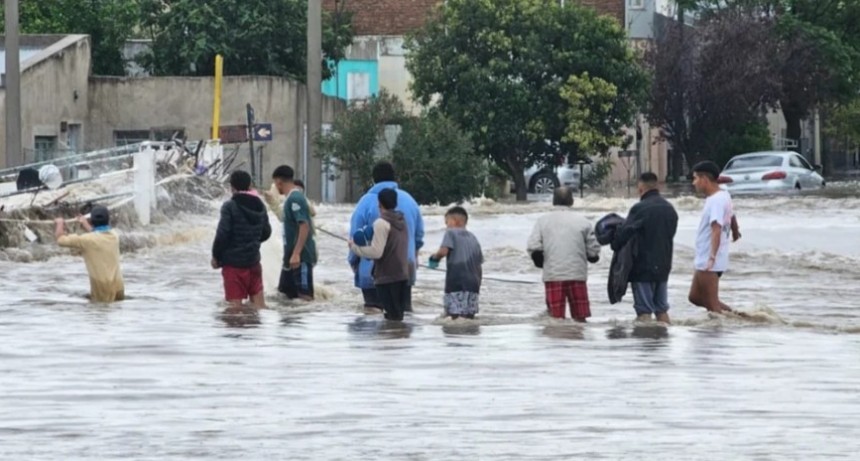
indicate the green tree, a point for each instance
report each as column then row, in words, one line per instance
column 435, row 161
column 589, row 99
column 498, row 66
column 256, row 37
column 358, row 138
column 109, row 23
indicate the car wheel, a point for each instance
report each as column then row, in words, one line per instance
column 543, row 183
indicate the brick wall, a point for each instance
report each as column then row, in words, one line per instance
column 397, row 17
column 614, row 8
column 386, row 17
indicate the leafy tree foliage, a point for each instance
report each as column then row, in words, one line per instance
column 358, row 139
column 497, row 69
column 109, row 23
column 435, row 161
column 262, row 37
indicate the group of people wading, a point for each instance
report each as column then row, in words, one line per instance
column 387, row 232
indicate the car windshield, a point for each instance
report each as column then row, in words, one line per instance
column 755, row 161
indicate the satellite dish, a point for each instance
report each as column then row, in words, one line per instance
column 50, row 176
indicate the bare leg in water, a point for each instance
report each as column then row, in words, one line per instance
column 704, row 292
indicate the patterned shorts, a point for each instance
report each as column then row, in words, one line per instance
column 461, row 303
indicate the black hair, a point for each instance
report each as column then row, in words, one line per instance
column 648, row 178
column 707, row 168
column 458, row 211
column 240, row 180
column 382, row 172
column 284, row 172
column 388, row 199
column 299, row 183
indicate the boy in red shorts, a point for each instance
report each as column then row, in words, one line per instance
column 244, row 225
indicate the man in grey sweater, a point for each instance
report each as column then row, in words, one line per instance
column 566, row 240
column 389, row 250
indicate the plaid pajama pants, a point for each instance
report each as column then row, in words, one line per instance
column 558, row 294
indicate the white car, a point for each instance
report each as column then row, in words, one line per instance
column 770, row 171
column 543, row 179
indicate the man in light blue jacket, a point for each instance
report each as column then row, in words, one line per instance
column 366, row 212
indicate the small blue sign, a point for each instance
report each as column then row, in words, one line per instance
column 263, row 132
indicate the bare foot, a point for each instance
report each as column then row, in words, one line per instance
column 643, row 318
column 664, row 318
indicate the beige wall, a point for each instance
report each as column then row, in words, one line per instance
column 49, row 82
column 128, row 104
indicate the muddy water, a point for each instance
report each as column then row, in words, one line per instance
column 164, row 376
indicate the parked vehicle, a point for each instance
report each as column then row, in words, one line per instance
column 770, row 171
column 543, row 179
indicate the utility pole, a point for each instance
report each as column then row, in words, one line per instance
column 14, row 153
column 313, row 165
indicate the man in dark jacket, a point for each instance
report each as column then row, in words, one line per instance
column 244, row 225
column 653, row 221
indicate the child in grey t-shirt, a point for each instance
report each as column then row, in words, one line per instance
column 464, row 274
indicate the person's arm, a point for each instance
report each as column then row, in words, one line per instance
column 535, row 242
column 736, row 231
column 267, row 229
column 441, row 253
column 59, row 228
column 299, row 212
column 356, row 222
column 222, row 235
column 592, row 246
column 64, row 240
column 377, row 245
column 85, row 223
column 631, row 226
column 296, row 257
column 419, row 230
column 716, row 231
column 445, row 247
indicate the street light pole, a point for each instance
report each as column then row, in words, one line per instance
column 313, row 165
column 12, row 84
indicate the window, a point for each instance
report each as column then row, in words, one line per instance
column 166, row 134
column 637, row 4
column 124, row 138
column 46, row 147
column 803, row 162
column 756, row 161
column 358, row 86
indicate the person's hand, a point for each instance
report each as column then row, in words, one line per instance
column 295, row 261
column 433, row 263
column 215, row 263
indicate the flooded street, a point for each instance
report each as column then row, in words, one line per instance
column 164, row 376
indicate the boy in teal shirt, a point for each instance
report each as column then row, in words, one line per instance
column 300, row 256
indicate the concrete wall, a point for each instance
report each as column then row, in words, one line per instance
column 53, row 90
column 131, row 104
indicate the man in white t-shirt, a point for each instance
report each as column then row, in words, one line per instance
column 712, row 239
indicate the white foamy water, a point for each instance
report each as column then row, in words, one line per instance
column 164, row 376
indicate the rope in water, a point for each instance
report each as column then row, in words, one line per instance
column 522, row 282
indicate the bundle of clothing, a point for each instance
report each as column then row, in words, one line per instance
column 622, row 260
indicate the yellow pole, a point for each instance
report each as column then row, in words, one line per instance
column 216, row 109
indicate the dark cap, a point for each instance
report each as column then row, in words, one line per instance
column 707, row 167
column 99, row 216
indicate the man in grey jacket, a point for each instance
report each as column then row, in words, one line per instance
column 568, row 244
